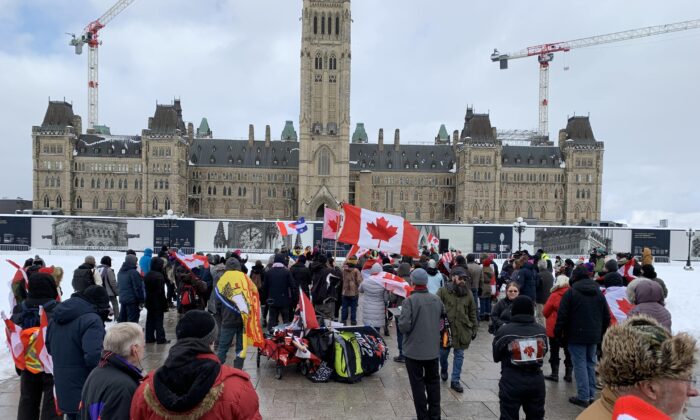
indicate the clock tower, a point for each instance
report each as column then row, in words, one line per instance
column 324, row 117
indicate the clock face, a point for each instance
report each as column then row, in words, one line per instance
column 252, row 238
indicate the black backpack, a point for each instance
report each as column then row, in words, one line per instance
column 30, row 316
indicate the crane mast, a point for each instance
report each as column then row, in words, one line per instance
column 90, row 36
column 545, row 54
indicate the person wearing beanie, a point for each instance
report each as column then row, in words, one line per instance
column 582, row 319
column 279, row 289
column 320, row 289
column 85, row 276
column 301, row 274
column 373, row 298
column 109, row 281
column 643, row 359
column 74, row 340
column 132, row 293
column 520, row 346
column 419, row 325
column 461, row 314
column 648, row 272
column 436, row 279
column 192, row 383
column 36, row 386
column 550, row 310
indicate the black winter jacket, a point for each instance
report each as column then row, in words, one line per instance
column 279, row 286
column 74, row 340
column 302, row 277
column 130, row 285
column 154, row 284
column 520, row 327
column 109, row 388
column 83, row 277
column 320, row 287
column 583, row 314
column 500, row 314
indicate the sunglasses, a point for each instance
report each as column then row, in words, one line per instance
column 513, row 291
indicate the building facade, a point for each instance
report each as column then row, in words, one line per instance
column 474, row 175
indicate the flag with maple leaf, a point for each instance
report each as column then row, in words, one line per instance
column 331, row 223
column 380, row 231
column 528, row 350
column 618, row 303
column 433, row 242
column 357, row 251
column 390, row 282
column 627, row 269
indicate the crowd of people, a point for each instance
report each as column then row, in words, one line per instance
column 606, row 315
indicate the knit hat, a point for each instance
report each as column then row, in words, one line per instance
column 522, row 305
column 403, row 270
column 432, row 264
column 90, row 260
column 589, row 267
column 280, row 258
column 97, row 295
column 630, row 407
column 42, row 286
column 131, row 259
column 648, row 271
column 301, row 259
column 233, row 264
column 569, row 262
column 611, row 265
column 613, row 279
column 641, row 349
column 579, row 273
column 459, row 271
column 376, row 269
column 352, row 259
column 419, row 277
column 197, row 324
column 106, row 260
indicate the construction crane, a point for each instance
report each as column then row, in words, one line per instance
column 545, row 54
column 90, row 37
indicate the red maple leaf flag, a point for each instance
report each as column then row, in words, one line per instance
column 618, row 303
column 529, row 350
column 379, row 231
column 331, row 223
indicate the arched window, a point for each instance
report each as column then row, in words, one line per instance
column 109, row 203
column 111, row 183
column 588, row 212
column 329, row 26
column 318, row 62
column 122, row 203
column 79, row 203
column 543, row 213
column 577, row 213
column 315, row 24
column 559, row 212
column 502, row 212
column 167, row 204
column 324, row 162
column 76, row 182
column 323, row 25
column 417, row 213
column 95, row 204
column 337, row 25
column 46, row 201
column 59, row 201
column 155, row 203
column 475, row 210
column 98, row 183
column 137, row 203
column 529, row 212
column 82, row 182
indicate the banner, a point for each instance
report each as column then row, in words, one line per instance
column 175, row 233
column 659, row 241
column 379, row 231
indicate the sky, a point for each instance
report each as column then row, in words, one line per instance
column 415, row 65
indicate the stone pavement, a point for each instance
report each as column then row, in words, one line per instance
column 384, row 395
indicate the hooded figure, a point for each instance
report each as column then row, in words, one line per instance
column 145, row 261
column 649, row 300
column 131, row 290
column 156, row 302
column 74, row 340
column 374, row 298
column 192, row 384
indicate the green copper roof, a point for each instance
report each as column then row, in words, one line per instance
column 360, row 135
column 289, row 133
column 442, row 134
column 102, row 129
column 203, row 129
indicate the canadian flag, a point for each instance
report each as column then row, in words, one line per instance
column 331, row 223
column 44, row 356
column 446, row 259
column 433, row 242
column 307, row 314
column 618, row 303
column 380, row 231
column 626, row 270
column 357, row 251
column 14, row 342
column 192, row 260
column 390, row 282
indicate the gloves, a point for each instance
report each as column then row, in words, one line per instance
column 474, row 334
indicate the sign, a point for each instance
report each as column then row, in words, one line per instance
column 659, row 241
column 335, row 247
column 16, row 231
column 174, row 233
column 493, row 239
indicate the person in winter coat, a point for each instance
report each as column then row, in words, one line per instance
column 526, row 279
column 522, row 382
column 232, row 328
column 485, row 288
column 649, row 300
column 111, row 385
column 419, row 324
column 192, row 292
column 461, row 313
column 374, row 298
column 476, row 276
column 192, row 384
column 582, row 319
column 74, row 341
column 84, row 276
column 647, row 258
column 436, row 279
column 36, row 400
column 403, row 271
column 550, row 310
column 301, row 274
column 616, row 295
column 109, row 282
column 131, row 290
column 545, row 281
column 648, row 272
column 145, row 261
column 279, row 290
column 351, row 283
column 500, row 314
column 156, row 303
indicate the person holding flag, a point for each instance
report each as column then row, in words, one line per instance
column 36, row 380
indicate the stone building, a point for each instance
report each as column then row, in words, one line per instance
column 473, row 175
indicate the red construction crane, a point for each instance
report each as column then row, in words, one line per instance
column 90, row 37
column 545, row 54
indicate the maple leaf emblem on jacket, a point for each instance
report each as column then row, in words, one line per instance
column 529, row 350
column 381, row 230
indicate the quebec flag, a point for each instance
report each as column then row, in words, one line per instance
column 289, row 228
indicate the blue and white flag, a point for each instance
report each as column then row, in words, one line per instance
column 289, row 228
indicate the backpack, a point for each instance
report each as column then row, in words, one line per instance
column 527, row 351
column 188, row 295
column 373, row 351
column 30, row 322
column 348, row 360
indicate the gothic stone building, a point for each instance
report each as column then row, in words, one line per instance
column 470, row 176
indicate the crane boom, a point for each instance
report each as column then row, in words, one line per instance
column 90, row 36
column 545, row 54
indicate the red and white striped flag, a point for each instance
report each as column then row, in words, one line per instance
column 380, row 231
column 44, row 356
column 331, row 223
column 390, row 282
column 307, row 314
column 627, row 270
column 192, row 260
column 433, row 242
column 14, row 341
column 357, row 251
column 446, row 259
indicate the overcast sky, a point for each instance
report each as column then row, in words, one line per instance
column 416, row 65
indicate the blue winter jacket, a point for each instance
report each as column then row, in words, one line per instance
column 130, row 285
column 74, row 340
column 527, row 280
column 145, row 261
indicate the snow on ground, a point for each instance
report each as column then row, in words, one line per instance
column 683, row 293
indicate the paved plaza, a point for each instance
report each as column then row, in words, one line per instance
column 384, row 395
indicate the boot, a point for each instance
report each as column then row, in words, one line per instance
column 567, row 373
column 238, row 363
column 554, row 376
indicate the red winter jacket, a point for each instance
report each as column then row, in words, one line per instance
column 231, row 397
column 551, row 307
